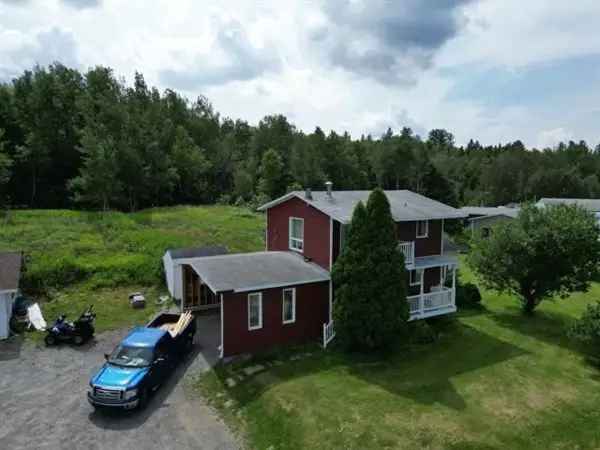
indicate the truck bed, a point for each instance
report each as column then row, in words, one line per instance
column 171, row 322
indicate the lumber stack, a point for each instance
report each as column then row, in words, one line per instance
column 182, row 323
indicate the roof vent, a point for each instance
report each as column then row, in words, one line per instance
column 308, row 194
column 329, row 186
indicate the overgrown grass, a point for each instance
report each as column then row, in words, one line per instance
column 76, row 258
column 494, row 379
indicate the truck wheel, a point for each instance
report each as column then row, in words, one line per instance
column 189, row 344
column 78, row 340
column 143, row 399
column 50, row 340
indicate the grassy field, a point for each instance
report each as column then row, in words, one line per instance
column 77, row 258
column 493, row 380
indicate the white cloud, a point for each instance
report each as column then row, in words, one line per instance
column 551, row 138
column 253, row 59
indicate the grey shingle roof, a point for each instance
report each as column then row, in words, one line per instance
column 406, row 205
column 254, row 271
column 10, row 271
column 490, row 211
column 591, row 204
column 197, row 252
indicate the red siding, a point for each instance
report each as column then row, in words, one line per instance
column 312, row 311
column 431, row 245
column 316, row 230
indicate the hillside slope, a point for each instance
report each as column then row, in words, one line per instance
column 74, row 258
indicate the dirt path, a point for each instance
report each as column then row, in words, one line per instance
column 43, row 403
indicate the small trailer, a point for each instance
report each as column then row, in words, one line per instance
column 141, row 363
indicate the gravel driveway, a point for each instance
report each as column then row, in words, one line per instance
column 43, row 401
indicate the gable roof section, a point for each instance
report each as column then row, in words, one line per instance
column 405, row 205
column 10, row 271
column 591, row 204
column 245, row 272
column 485, row 212
column 197, row 252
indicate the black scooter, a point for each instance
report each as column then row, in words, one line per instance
column 76, row 332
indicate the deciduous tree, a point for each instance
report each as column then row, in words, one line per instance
column 543, row 253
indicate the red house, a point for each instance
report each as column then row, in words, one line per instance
column 284, row 295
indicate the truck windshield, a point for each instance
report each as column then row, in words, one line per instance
column 131, row 356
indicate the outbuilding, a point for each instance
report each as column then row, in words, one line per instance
column 175, row 263
column 10, row 274
column 265, row 299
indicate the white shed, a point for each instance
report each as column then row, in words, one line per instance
column 10, row 274
column 173, row 260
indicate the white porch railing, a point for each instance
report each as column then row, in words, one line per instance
column 425, row 305
column 408, row 249
column 328, row 333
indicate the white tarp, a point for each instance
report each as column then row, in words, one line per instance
column 34, row 314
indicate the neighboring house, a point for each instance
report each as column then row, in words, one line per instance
column 481, row 218
column 10, row 274
column 284, row 294
column 590, row 204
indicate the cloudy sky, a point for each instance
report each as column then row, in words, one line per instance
column 493, row 70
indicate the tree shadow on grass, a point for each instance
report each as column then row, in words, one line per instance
column 546, row 326
column 423, row 374
column 426, row 374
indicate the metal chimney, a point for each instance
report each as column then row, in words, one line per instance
column 329, row 186
column 308, row 194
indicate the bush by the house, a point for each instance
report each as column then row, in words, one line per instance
column 587, row 328
column 467, row 295
column 420, row 332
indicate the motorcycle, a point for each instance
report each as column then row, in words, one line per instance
column 76, row 332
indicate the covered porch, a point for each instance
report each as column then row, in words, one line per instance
column 436, row 299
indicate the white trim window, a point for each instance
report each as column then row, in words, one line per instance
column 296, row 231
column 289, row 305
column 422, row 228
column 255, row 312
column 415, row 277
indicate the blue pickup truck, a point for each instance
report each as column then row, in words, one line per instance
column 142, row 361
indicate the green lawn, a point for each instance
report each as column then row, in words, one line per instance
column 494, row 379
column 77, row 258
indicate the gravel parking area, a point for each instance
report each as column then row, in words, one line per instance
column 43, row 401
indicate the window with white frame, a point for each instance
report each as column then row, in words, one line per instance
column 289, row 305
column 422, row 228
column 296, row 234
column 415, row 277
column 255, row 311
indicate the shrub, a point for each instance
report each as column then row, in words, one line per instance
column 587, row 328
column 420, row 332
column 467, row 295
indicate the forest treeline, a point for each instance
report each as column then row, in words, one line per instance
column 90, row 140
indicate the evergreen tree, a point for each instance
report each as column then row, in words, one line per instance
column 369, row 277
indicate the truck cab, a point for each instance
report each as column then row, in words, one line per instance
column 139, row 364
